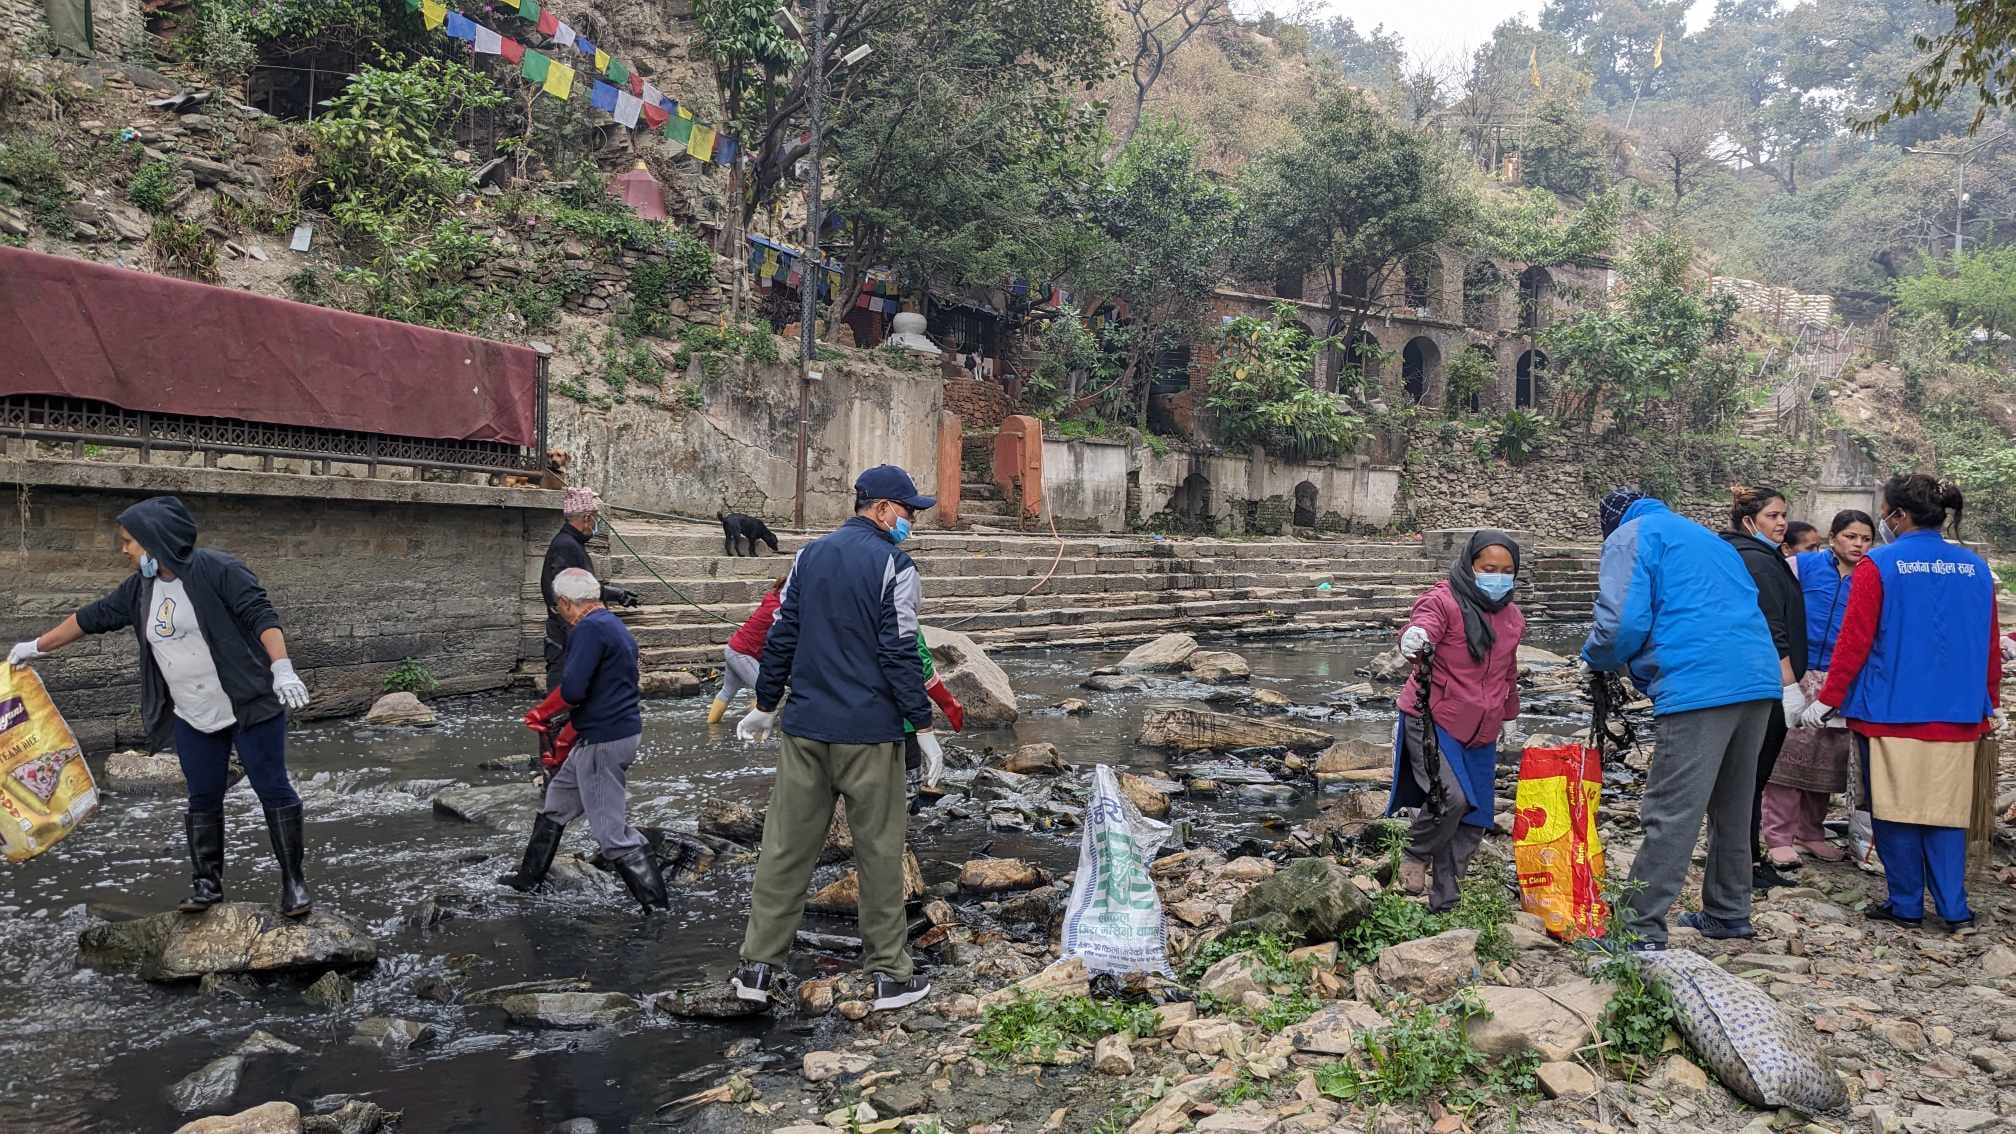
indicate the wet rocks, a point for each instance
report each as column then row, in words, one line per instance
column 1148, row 799
column 391, row 1033
column 1072, row 707
column 1167, row 654
column 233, row 937
column 1388, row 666
column 1216, row 667
column 346, row 1114
column 142, row 772
column 568, row 1009
column 1034, row 759
column 1190, row 730
column 496, row 995
column 330, row 990
column 1431, row 968
column 504, row 807
column 669, row 683
column 705, row 1002
column 972, row 676
column 209, row 1087
column 399, row 710
column 269, row 1118
column 732, row 820
column 1313, row 899
column 1114, row 683
column 995, row 875
column 843, row 896
column 823, row 1066
column 1355, row 761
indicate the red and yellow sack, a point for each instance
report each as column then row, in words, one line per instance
column 45, row 789
column 1554, row 843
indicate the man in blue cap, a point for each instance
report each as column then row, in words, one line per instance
column 845, row 641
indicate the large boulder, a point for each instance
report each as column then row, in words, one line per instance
column 1190, row 730
column 568, row 1009
column 142, row 772
column 232, row 937
column 504, row 807
column 972, row 676
column 209, row 1087
column 1166, row 654
column 1039, row 758
column 1555, row 1022
column 843, row 895
column 1148, row 799
column 271, row 1118
column 1355, row 761
column 1432, row 968
column 1216, row 667
column 399, row 710
column 706, row 1002
column 1312, row 899
column 995, row 875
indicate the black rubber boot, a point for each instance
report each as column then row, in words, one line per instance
column 538, row 855
column 640, row 873
column 283, row 824
column 206, row 860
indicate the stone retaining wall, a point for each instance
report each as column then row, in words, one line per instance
column 363, row 573
column 1779, row 304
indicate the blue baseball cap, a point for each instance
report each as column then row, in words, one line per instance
column 887, row 482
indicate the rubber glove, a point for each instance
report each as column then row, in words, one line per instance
column 934, row 758
column 1794, row 700
column 755, row 728
column 1413, row 640
column 1814, row 714
column 287, row 686
column 24, row 652
column 955, row 713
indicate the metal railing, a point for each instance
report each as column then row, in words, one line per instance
column 81, row 422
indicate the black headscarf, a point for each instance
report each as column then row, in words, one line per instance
column 1463, row 584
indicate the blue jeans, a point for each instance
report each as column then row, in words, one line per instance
column 206, row 759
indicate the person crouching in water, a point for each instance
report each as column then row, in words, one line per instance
column 214, row 667
column 1466, row 631
column 598, row 686
column 740, row 658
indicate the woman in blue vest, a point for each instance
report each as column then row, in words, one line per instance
column 1917, row 672
column 1813, row 764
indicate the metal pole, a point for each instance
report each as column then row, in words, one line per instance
column 1959, row 206
column 812, row 274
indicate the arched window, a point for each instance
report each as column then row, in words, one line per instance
column 1526, row 380
column 1420, row 365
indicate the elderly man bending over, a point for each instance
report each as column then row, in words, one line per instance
column 598, row 687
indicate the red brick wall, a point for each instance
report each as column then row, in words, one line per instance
column 981, row 405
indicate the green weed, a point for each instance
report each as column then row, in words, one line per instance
column 31, row 174
column 1039, row 1026
column 153, row 186
column 182, row 247
column 410, row 676
column 1426, row 1054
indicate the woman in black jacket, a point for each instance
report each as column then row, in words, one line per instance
column 1757, row 523
column 214, row 671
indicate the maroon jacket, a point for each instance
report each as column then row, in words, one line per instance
column 1472, row 699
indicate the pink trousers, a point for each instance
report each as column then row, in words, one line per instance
column 1793, row 816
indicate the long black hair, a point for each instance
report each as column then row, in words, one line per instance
column 1925, row 498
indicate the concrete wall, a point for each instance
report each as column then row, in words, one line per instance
column 1255, row 493
column 737, row 452
column 364, row 573
column 119, row 27
column 1085, row 484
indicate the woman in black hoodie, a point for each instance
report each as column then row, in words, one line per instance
column 1757, row 524
column 214, row 672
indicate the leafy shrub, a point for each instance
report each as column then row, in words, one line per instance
column 410, row 676
column 182, row 247
column 1518, row 435
column 1426, row 1054
column 649, row 287
column 31, row 173
column 219, row 42
column 1482, row 905
column 1261, row 392
column 1039, row 1026
column 153, row 186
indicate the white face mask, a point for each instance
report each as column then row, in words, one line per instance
column 1883, row 532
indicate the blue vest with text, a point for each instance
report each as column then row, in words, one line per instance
column 1930, row 659
column 1825, row 591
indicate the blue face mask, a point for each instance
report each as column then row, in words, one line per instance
column 1766, row 540
column 900, row 530
column 1496, row 587
column 148, row 566
column 599, row 527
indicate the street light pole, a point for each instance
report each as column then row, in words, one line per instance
column 1960, row 181
column 812, row 274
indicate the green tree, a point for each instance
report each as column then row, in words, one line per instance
column 1560, row 152
column 1260, row 392
column 1352, row 196
column 1975, row 290
column 1617, row 39
column 1977, row 54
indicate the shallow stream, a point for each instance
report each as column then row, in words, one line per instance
column 86, row 1051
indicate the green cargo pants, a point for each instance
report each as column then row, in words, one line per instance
column 809, row 774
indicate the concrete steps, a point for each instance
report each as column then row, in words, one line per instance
column 1103, row 589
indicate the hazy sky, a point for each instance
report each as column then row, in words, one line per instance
column 1444, row 29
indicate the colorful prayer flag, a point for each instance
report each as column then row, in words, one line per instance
column 677, row 130
column 725, row 150
column 461, row 27
column 488, row 42
column 637, row 84
column 584, row 45
column 432, row 13
column 701, row 143
column 534, row 67
column 602, row 96
column 619, row 72
column 651, row 95
column 1659, row 51
column 549, row 23
column 412, row 5
column 685, row 113
column 564, row 35
column 528, row 10
column 559, row 80
column 601, row 62
column 655, row 115
column 1533, row 66
column 627, row 108
column 512, row 51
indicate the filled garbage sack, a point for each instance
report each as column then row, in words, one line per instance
column 1555, row 847
column 1763, row 1055
column 1114, row 919
column 45, row 788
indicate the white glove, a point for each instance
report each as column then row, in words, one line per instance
column 934, row 758
column 1814, row 714
column 755, row 728
column 287, row 686
column 1794, row 700
column 2009, row 647
column 1413, row 641
column 24, row 652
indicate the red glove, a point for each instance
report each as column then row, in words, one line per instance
column 955, row 713
column 554, row 750
column 540, row 719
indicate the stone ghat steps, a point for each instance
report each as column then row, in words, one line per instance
column 941, row 565
column 657, row 538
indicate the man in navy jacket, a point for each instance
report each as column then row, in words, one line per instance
column 845, row 641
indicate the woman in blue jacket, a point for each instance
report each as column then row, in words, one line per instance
column 1813, row 764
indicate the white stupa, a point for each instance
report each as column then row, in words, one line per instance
column 907, row 332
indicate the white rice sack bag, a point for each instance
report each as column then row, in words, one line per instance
column 1114, row 922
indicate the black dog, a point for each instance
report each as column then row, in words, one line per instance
column 737, row 528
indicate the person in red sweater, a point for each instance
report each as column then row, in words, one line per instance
column 739, row 657
column 1917, row 672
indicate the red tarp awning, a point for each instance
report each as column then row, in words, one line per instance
column 156, row 344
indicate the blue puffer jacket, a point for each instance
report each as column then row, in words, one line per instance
column 1676, row 605
column 845, row 641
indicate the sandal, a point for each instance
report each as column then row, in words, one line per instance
column 1823, row 850
column 1784, row 858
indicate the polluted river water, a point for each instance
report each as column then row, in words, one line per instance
column 82, row 1050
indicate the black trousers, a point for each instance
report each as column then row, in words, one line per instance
column 1767, row 759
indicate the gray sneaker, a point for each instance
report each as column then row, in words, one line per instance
column 752, row 982
column 892, row 993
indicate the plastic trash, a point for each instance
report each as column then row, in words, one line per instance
column 45, row 788
column 1114, row 920
column 1759, row 1051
